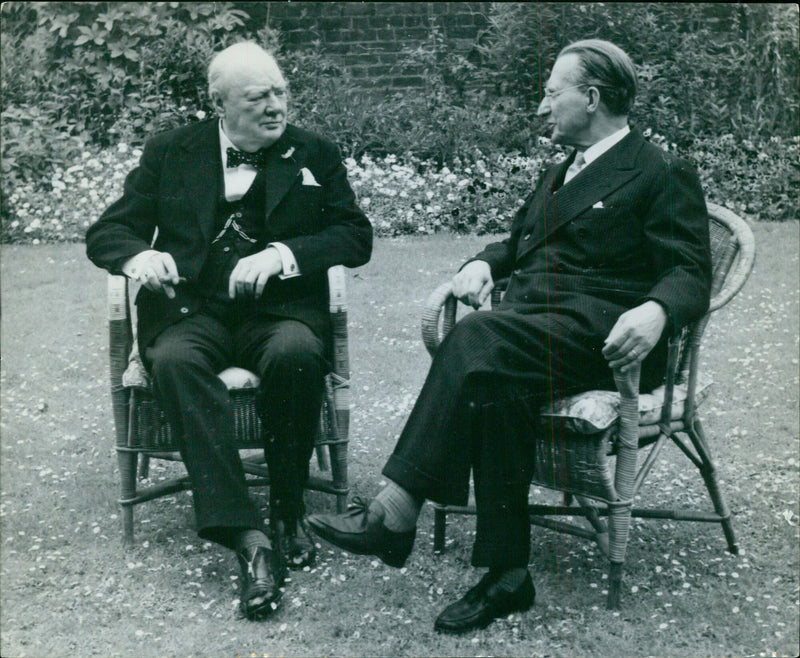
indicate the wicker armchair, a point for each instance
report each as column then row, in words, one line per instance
column 589, row 443
column 142, row 432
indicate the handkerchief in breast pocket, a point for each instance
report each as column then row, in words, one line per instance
column 308, row 178
column 599, row 204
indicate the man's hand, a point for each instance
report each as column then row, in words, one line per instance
column 473, row 283
column 252, row 273
column 159, row 273
column 633, row 336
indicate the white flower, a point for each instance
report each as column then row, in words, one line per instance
column 200, row 114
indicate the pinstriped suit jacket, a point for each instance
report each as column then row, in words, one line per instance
column 631, row 226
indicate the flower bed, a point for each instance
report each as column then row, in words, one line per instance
column 412, row 196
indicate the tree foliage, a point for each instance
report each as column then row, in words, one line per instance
column 705, row 69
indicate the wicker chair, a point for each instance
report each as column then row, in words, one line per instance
column 580, row 435
column 142, row 432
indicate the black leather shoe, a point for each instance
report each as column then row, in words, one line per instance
column 263, row 575
column 296, row 545
column 360, row 530
column 484, row 603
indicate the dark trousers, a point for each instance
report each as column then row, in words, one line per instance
column 478, row 411
column 289, row 358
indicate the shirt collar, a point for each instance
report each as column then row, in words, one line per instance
column 224, row 144
column 598, row 148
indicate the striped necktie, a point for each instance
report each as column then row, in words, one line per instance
column 577, row 164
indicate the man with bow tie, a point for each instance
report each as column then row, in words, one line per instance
column 231, row 225
column 607, row 257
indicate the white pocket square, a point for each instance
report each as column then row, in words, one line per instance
column 599, row 204
column 308, row 178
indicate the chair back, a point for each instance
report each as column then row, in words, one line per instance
column 732, row 259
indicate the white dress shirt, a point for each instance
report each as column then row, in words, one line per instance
column 597, row 149
column 593, row 152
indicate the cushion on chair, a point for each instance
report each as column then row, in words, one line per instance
column 239, row 378
column 135, row 375
column 595, row 411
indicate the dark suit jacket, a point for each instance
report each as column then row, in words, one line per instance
column 173, row 196
column 631, row 226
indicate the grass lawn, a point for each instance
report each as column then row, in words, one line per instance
column 70, row 589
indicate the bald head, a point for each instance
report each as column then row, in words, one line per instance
column 249, row 94
column 228, row 66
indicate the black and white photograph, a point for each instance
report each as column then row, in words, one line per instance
column 399, row 329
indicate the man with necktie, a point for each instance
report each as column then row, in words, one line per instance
column 231, row 224
column 606, row 258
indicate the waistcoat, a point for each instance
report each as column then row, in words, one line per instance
column 239, row 231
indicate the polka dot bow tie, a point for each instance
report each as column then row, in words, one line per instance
column 236, row 158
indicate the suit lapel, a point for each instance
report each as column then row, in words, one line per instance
column 609, row 172
column 284, row 161
column 201, row 171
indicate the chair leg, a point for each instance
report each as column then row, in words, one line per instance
column 338, row 464
column 144, row 466
column 619, row 522
column 598, row 525
column 127, row 472
column 695, row 433
column 439, row 527
column 614, row 585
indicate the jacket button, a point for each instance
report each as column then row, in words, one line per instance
column 226, row 249
column 184, row 309
column 526, row 236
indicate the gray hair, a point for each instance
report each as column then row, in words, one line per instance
column 242, row 53
column 610, row 69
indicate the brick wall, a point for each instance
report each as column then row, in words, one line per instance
column 368, row 37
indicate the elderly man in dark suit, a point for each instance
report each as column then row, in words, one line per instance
column 610, row 249
column 231, row 225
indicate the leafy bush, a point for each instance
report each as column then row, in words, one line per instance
column 757, row 178
column 706, row 69
column 413, row 196
column 457, row 153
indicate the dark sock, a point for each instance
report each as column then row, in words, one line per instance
column 510, row 579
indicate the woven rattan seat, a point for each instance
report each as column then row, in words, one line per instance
column 588, row 444
column 143, row 433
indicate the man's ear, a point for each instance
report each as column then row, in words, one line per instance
column 216, row 101
column 594, row 99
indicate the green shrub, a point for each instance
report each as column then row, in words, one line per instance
column 706, row 68
column 720, row 83
column 412, row 196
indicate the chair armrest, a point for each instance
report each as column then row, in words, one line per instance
column 442, row 299
column 439, row 300
column 340, row 368
column 120, row 339
column 628, row 438
column 120, row 336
